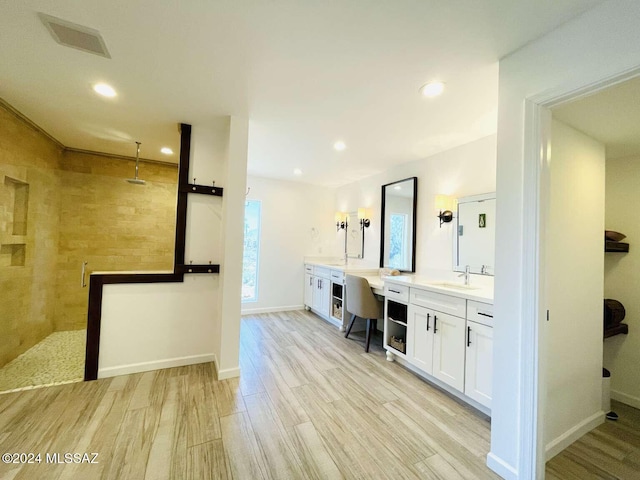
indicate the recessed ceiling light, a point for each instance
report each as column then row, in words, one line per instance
column 339, row 146
column 104, row 90
column 397, row 187
column 432, row 89
column 166, row 151
column 297, row 171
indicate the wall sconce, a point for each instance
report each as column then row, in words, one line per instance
column 363, row 216
column 342, row 221
column 444, row 205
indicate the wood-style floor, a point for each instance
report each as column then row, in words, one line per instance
column 309, row 404
column 611, row 451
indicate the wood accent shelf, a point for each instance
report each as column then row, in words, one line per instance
column 208, row 268
column 201, row 189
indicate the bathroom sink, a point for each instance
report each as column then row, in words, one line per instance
column 455, row 286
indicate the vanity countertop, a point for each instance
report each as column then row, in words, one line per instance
column 341, row 266
column 479, row 293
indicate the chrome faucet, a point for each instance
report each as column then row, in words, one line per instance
column 466, row 274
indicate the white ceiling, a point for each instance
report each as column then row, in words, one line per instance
column 305, row 73
column 611, row 116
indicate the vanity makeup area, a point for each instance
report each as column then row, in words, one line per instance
column 439, row 325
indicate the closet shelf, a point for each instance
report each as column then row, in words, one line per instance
column 619, row 329
column 619, row 247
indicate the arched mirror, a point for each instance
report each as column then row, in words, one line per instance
column 398, row 241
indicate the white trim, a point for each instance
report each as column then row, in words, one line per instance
column 227, row 373
column 533, row 263
column 501, row 467
column 557, row 445
column 253, row 311
column 626, row 399
column 535, row 202
column 155, row 365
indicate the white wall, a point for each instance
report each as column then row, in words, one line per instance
column 157, row 325
column 575, row 284
column 297, row 221
column 600, row 44
column 151, row 326
column 466, row 170
column 622, row 352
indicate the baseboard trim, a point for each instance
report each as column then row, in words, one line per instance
column 501, row 467
column 155, row 365
column 228, row 373
column 567, row 438
column 625, row 398
column 253, row 311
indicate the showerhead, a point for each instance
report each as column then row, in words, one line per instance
column 136, row 180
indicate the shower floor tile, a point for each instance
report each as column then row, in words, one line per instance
column 57, row 359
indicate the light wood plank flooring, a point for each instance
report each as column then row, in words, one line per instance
column 611, row 451
column 309, row 404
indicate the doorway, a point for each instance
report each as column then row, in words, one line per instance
column 594, row 171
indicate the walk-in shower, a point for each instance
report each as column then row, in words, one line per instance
column 62, row 211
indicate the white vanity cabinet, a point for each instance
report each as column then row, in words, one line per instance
column 420, row 348
column 448, row 349
column 436, row 339
column 479, row 358
column 449, row 338
column 321, row 291
column 325, row 293
column 308, row 285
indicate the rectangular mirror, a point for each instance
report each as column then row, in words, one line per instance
column 355, row 237
column 475, row 234
column 398, row 229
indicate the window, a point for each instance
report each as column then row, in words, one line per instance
column 398, row 240
column 250, row 258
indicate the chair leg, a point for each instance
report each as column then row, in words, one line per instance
column 366, row 347
column 353, row 319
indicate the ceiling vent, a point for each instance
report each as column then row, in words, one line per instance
column 75, row 36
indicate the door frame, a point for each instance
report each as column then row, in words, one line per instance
column 536, row 204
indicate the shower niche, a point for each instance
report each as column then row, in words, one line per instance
column 15, row 200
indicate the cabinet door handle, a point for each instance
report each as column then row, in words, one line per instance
column 485, row 314
column 394, row 291
column 428, row 316
column 468, row 336
column 310, row 281
column 435, row 324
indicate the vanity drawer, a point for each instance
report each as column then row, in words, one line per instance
column 308, row 269
column 441, row 303
column 480, row 313
column 323, row 272
column 397, row 292
column 337, row 276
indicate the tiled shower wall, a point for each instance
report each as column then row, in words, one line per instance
column 111, row 224
column 80, row 208
column 27, row 285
